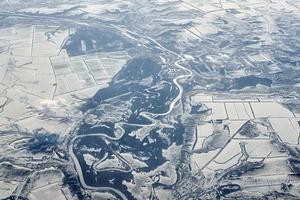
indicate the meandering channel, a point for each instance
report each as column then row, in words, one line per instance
column 148, row 115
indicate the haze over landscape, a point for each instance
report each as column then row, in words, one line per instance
column 149, row 99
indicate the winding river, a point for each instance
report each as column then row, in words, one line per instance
column 148, row 115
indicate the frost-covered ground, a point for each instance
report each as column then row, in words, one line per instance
column 149, row 99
